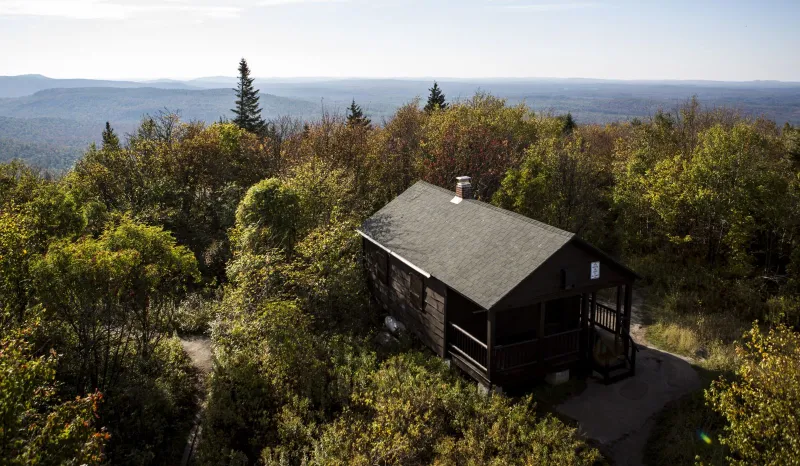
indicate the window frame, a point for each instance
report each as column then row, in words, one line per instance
column 417, row 298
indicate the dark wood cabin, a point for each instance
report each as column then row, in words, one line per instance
column 506, row 298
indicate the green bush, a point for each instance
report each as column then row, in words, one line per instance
column 761, row 403
column 414, row 410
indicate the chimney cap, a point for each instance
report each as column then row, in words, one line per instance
column 463, row 189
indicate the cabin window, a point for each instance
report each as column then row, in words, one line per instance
column 382, row 265
column 567, row 279
column 417, row 291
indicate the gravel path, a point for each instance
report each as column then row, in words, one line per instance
column 201, row 353
column 199, row 350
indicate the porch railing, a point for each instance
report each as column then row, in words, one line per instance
column 516, row 355
column 467, row 346
column 606, row 317
column 561, row 344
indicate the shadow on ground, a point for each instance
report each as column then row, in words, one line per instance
column 620, row 416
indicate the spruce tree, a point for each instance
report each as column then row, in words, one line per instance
column 110, row 139
column 435, row 99
column 568, row 123
column 355, row 116
column 247, row 111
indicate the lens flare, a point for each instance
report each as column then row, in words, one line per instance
column 704, row 437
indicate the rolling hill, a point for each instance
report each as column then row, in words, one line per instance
column 43, row 119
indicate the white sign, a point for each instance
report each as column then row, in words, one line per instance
column 595, row 273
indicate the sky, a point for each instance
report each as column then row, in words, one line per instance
column 609, row 39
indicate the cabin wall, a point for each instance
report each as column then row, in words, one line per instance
column 396, row 286
column 547, row 282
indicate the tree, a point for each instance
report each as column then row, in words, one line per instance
column 247, row 111
column 435, row 99
column 35, row 427
column 762, row 403
column 558, row 183
column 110, row 139
column 267, row 217
column 113, row 296
column 355, row 117
column 481, row 138
column 568, row 122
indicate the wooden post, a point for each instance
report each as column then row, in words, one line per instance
column 592, row 319
column 585, row 326
column 490, row 333
column 627, row 320
column 540, row 329
column 446, row 333
column 618, row 317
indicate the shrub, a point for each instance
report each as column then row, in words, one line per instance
column 414, row 410
column 35, row 427
column 761, row 404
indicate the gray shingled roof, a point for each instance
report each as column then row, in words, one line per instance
column 477, row 249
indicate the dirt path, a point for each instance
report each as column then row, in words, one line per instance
column 621, row 416
column 201, row 353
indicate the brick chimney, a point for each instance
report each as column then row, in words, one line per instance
column 464, row 187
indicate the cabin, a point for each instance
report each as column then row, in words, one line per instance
column 504, row 297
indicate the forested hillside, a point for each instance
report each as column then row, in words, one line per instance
column 190, row 227
column 19, row 86
column 44, row 107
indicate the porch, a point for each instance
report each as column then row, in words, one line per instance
column 513, row 346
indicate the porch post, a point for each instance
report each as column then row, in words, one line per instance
column 592, row 319
column 627, row 319
column 490, row 333
column 585, row 325
column 540, row 333
column 618, row 317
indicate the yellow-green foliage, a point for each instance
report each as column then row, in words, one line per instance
column 761, row 403
column 36, row 428
column 412, row 410
column 559, row 183
column 267, row 217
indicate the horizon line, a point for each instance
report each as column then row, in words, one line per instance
column 412, row 78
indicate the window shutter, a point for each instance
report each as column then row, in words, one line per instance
column 417, row 291
column 382, row 263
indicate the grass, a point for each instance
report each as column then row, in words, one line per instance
column 697, row 314
column 709, row 339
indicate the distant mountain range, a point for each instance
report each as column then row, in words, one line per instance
column 43, row 118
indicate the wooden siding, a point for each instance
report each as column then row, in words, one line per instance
column 546, row 282
column 424, row 315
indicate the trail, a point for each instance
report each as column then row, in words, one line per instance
column 200, row 351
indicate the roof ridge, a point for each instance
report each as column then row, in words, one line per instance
column 510, row 213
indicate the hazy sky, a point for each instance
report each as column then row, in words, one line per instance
column 644, row 39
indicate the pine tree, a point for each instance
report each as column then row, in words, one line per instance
column 355, row 116
column 110, row 139
column 568, row 123
column 435, row 99
column 247, row 111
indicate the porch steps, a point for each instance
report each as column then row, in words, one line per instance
column 615, row 375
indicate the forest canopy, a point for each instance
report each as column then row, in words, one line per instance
column 186, row 227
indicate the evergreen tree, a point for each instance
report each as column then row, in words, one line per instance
column 355, row 116
column 110, row 139
column 568, row 123
column 247, row 111
column 435, row 99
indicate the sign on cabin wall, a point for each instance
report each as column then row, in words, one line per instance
column 594, row 274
